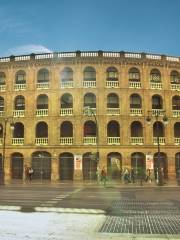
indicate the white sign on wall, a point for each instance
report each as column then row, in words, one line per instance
column 149, row 161
column 78, row 162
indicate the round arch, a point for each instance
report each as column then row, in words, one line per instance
column 89, row 166
column 66, row 166
column 41, row 164
column 114, row 165
column 17, row 162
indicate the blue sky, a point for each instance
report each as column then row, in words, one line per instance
column 28, row 26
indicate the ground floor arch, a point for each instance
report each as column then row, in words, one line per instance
column 138, row 162
column 17, row 162
column 114, row 165
column 160, row 161
column 66, row 166
column 41, row 164
column 89, row 165
column 177, row 164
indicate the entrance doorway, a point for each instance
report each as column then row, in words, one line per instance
column 41, row 164
column 66, row 166
column 17, row 166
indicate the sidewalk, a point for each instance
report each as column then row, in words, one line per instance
column 110, row 183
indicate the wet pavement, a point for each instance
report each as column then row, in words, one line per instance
column 89, row 211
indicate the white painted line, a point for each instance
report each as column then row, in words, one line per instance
column 52, row 201
column 69, row 210
column 11, row 208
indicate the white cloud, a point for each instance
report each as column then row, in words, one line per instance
column 27, row 49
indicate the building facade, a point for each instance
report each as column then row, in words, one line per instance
column 73, row 112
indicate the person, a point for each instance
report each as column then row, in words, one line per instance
column 98, row 174
column 132, row 175
column 103, row 176
column 148, row 175
column 30, row 173
column 126, row 176
column 26, row 169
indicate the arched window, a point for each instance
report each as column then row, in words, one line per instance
column 135, row 101
column 42, row 101
column 175, row 77
column 112, row 101
column 2, row 78
column 19, row 103
column 1, row 103
column 112, row 74
column 67, row 74
column 90, row 100
column 113, row 129
column 177, row 130
column 43, row 76
column 134, row 74
column 41, row 130
column 155, row 76
column 158, row 129
column 66, row 101
column 176, row 103
column 157, row 102
column 90, row 129
column 18, row 130
column 136, row 129
column 20, row 77
column 66, row 129
column 89, row 74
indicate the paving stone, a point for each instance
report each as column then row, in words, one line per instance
column 142, row 217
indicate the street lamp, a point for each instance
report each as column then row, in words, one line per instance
column 157, row 114
column 4, row 121
column 89, row 112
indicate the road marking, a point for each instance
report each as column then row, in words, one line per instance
column 10, row 208
column 69, row 210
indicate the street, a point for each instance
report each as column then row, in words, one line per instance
column 67, row 211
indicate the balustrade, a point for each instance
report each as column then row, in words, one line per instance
column 90, row 140
column 177, row 141
column 17, row 141
column 113, row 140
column 41, row 112
column 66, row 111
column 176, row 113
column 137, row 140
column 1, row 113
column 89, row 84
column 18, row 87
column 18, row 113
column 67, row 84
column 161, row 140
column 66, row 140
column 42, row 85
column 112, row 84
column 41, row 141
column 136, row 112
column 135, row 84
column 175, row 86
column 154, row 85
column 2, row 88
column 158, row 112
column 113, row 111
